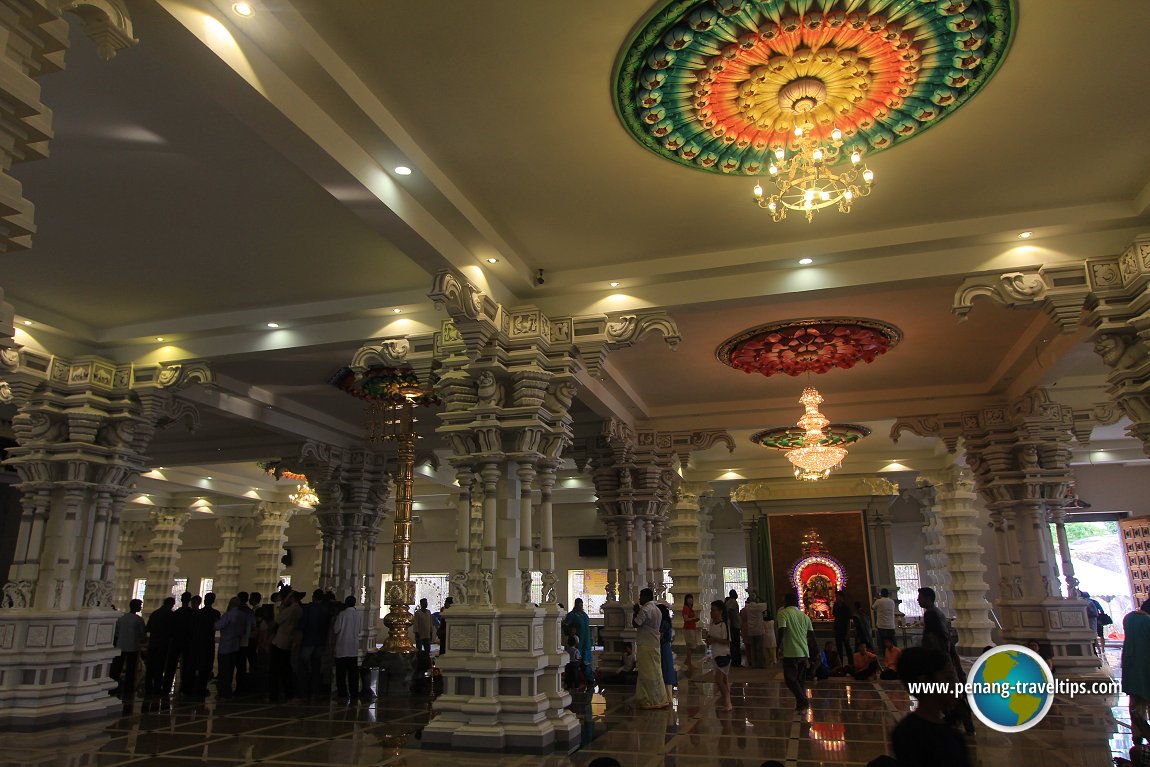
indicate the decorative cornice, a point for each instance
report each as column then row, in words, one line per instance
column 106, row 23
column 1061, row 291
column 832, row 487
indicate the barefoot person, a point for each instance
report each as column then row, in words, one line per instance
column 719, row 640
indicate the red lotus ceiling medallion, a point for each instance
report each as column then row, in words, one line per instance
column 815, row 346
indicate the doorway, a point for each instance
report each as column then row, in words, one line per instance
column 1098, row 555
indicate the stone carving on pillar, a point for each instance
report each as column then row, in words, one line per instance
column 1019, row 459
column 508, row 379
column 354, row 500
column 167, row 531
column 272, row 519
column 232, row 529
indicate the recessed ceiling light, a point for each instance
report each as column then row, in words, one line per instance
column 27, row 322
column 614, row 284
column 207, row 477
column 397, row 311
column 159, row 338
column 493, row 260
column 1025, row 235
column 806, row 261
column 273, row 324
column 243, row 9
column 402, row 170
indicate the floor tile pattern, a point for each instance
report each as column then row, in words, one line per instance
column 847, row 725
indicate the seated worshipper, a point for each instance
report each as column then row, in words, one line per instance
column 890, row 656
column 922, row 738
column 829, row 663
column 865, row 663
column 572, row 674
column 627, row 665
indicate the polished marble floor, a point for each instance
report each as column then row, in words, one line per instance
column 847, row 725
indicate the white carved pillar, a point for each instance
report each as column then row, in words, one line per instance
column 317, row 568
column 227, row 582
column 526, row 474
column 961, row 540
column 507, row 387
column 546, row 480
column 272, row 519
column 1058, row 518
column 466, row 479
column 710, row 580
column 685, row 544
column 167, row 529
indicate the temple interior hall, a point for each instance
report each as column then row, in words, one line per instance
column 505, row 305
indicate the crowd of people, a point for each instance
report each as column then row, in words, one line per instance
column 294, row 649
column 288, row 647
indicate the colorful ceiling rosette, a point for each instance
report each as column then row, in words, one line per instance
column 786, row 438
column 718, row 85
column 815, row 346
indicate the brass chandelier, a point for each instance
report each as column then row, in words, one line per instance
column 814, row 459
column 801, row 170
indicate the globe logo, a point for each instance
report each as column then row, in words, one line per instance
column 1010, row 688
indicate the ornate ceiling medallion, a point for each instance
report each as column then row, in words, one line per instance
column 815, row 346
column 720, row 85
column 784, row 438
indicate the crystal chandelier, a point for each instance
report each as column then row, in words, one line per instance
column 801, row 170
column 304, row 496
column 814, row 460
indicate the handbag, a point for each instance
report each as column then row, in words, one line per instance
column 722, row 661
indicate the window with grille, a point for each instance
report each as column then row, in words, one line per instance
column 206, row 585
column 179, row 586
column 735, row 578
column 139, row 586
column 906, row 577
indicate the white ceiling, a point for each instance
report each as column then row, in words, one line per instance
column 230, row 172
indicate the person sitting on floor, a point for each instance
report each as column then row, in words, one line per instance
column 627, row 669
column 865, row 663
column 890, row 656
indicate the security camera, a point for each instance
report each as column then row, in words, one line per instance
column 539, row 280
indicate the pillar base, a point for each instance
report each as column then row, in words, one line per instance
column 54, row 667
column 502, row 683
column 1060, row 628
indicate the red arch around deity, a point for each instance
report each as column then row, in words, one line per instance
column 818, row 579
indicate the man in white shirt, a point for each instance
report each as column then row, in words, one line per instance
column 127, row 639
column 348, row 626
column 650, row 692
column 755, row 629
column 423, row 628
column 885, row 618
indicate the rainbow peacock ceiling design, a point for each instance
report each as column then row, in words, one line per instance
column 719, row 84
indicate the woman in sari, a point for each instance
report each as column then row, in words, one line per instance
column 650, row 691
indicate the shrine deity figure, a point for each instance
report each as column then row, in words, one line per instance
column 818, row 578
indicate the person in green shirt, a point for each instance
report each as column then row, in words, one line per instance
column 795, row 634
